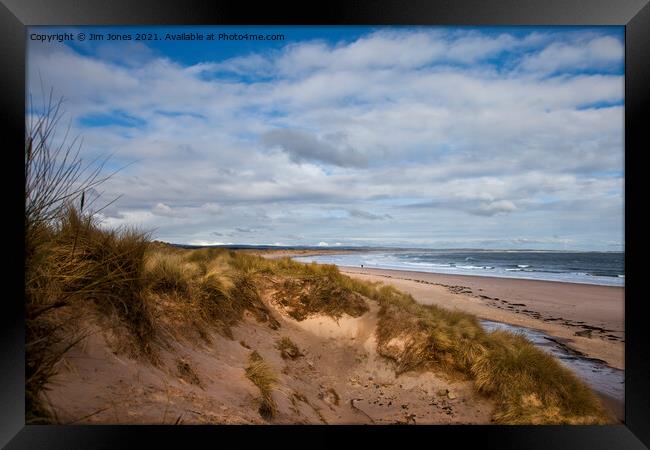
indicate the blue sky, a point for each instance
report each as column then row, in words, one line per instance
column 490, row 137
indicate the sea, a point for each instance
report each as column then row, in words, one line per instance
column 602, row 268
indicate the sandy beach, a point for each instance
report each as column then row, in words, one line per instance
column 586, row 318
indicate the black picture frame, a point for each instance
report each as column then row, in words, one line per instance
column 15, row 15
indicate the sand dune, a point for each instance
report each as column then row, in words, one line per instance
column 339, row 379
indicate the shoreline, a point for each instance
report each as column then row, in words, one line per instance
column 451, row 274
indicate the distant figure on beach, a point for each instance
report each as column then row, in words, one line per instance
column 362, row 266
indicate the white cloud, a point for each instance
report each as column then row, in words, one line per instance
column 301, row 147
column 200, row 242
column 597, row 52
column 160, row 209
column 497, row 207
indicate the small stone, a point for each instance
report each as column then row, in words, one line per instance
column 443, row 392
column 451, row 395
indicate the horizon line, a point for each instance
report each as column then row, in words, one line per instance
column 377, row 247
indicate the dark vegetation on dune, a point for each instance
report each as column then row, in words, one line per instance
column 158, row 293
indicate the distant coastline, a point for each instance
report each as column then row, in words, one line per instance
column 356, row 248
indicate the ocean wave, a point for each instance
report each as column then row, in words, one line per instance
column 424, row 264
column 551, row 268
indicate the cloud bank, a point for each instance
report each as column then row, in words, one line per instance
column 403, row 136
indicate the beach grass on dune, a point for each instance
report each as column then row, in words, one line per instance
column 211, row 289
column 528, row 385
column 71, row 261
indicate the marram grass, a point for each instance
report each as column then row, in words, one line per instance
column 210, row 289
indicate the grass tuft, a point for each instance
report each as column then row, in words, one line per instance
column 186, row 372
column 315, row 293
column 168, row 272
column 288, row 349
column 262, row 376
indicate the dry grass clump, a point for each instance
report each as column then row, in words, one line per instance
column 216, row 304
column 71, row 260
column 168, row 272
column 248, row 273
column 288, row 349
column 307, row 289
column 204, row 289
column 302, row 297
column 186, row 372
column 104, row 266
column 246, row 293
column 262, row 376
column 531, row 387
column 210, row 260
column 418, row 336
